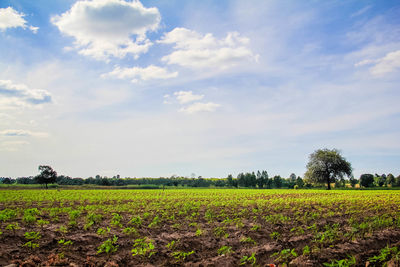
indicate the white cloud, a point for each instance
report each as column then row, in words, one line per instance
column 105, row 28
column 136, row 73
column 389, row 63
column 194, row 50
column 20, row 133
column 10, row 18
column 364, row 62
column 199, row 107
column 185, row 97
column 12, row 94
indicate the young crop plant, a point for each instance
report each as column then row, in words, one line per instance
column 225, row 250
column 350, row 261
column 199, row 232
column 181, row 256
column 30, row 215
column 220, row 232
column 255, row 228
column 7, row 214
column 131, row 231
column 73, row 216
column 285, row 255
column 248, row 240
column 66, row 244
column 116, row 220
column 154, row 223
column 306, row 250
column 143, row 247
column 13, row 227
column 103, row 232
column 386, row 254
column 92, row 219
column 109, row 246
column 32, row 237
column 171, row 245
column 42, row 223
column 136, row 221
column 249, row 259
column 275, row 235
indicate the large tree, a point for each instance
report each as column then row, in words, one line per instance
column 47, row 175
column 325, row 166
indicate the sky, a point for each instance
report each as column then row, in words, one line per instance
column 197, row 88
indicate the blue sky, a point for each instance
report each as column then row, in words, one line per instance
column 161, row 88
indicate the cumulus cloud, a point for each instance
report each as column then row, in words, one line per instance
column 185, row 97
column 20, row 95
column 10, row 18
column 19, row 133
column 106, row 28
column 387, row 64
column 136, row 73
column 195, row 50
column 200, row 107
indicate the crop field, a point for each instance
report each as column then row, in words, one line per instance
column 199, row 227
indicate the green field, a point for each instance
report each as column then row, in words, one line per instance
column 197, row 227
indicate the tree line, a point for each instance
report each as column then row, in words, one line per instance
column 325, row 166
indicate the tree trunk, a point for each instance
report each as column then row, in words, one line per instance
column 329, row 183
column 46, row 186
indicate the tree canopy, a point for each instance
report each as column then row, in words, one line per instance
column 47, row 175
column 325, row 166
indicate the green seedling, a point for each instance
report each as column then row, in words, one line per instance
column 143, row 247
column 249, row 259
column 109, row 246
column 225, row 250
column 13, row 227
column 181, row 256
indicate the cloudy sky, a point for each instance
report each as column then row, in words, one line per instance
column 156, row 88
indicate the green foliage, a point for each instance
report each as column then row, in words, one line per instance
column 275, row 235
column 325, row 166
column 285, row 255
column 31, row 245
column 13, row 227
column 306, row 250
column 32, row 235
column 143, row 247
column 103, row 232
column 249, row 259
column 108, row 246
column 130, row 231
column 199, row 232
column 171, row 245
column 92, row 219
column 248, row 240
column 116, row 220
column 47, row 175
column 65, row 243
column 386, row 254
column 225, row 250
column 136, row 220
column 30, row 215
column 73, row 216
column 42, row 223
column 350, row 261
column 366, row 180
column 181, row 256
column 7, row 214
